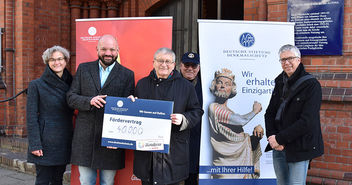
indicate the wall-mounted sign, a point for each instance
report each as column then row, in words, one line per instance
column 319, row 25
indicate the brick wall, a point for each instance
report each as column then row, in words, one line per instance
column 138, row 8
column 8, row 56
column 24, row 47
column 31, row 27
column 335, row 76
column 34, row 25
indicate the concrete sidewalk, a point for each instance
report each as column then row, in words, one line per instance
column 14, row 168
column 13, row 177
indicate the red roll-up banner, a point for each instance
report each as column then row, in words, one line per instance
column 138, row 38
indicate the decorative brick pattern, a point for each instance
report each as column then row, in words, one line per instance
column 335, row 86
column 14, row 144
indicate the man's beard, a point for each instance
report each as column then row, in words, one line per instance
column 221, row 97
column 221, row 94
column 107, row 63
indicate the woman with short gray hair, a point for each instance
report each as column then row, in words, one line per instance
column 47, row 54
column 49, row 119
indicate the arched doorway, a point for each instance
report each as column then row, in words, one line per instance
column 185, row 14
column 185, row 31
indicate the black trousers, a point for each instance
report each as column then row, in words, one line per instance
column 150, row 182
column 49, row 175
column 192, row 179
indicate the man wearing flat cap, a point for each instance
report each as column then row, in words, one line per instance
column 189, row 68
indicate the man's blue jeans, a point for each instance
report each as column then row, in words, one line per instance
column 88, row 176
column 289, row 173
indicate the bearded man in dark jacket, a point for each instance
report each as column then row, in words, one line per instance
column 92, row 83
column 292, row 119
column 165, row 83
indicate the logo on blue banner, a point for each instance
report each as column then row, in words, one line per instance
column 247, row 39
column 119, row 103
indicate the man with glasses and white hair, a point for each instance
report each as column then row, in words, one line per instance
column 166, row 83
column 292, row 119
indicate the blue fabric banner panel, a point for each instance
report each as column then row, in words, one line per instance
column 238, row 181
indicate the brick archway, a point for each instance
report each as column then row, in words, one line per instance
column 148, row 6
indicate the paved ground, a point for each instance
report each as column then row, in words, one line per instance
column 14, row 168
column 12, row 177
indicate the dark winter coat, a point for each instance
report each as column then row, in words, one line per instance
column 172, row 167
column 299, row 129
column 194, row 140
column 49, row 119
column 86, row 144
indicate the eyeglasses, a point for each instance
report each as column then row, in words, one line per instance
column 288, row 59
column 187, row 65
column 56, row 59
column 167, row 62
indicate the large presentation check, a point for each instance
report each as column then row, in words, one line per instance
column 141, row 125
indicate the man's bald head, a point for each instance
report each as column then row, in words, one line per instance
column 107, row 37
column 107, row 50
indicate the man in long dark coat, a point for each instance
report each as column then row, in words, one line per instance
column 189, row 69
column 92, row 83
column 166, row 83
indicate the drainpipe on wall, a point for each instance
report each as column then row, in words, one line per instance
column 219, row 10
column 1, row 31
column 2, row 82
column 14, row 61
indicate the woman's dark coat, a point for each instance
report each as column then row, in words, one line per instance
column 172, row 167
column 86, row 145
column 299, row 129
column 49, row 119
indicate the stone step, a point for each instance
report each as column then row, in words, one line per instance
column 16, row 161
